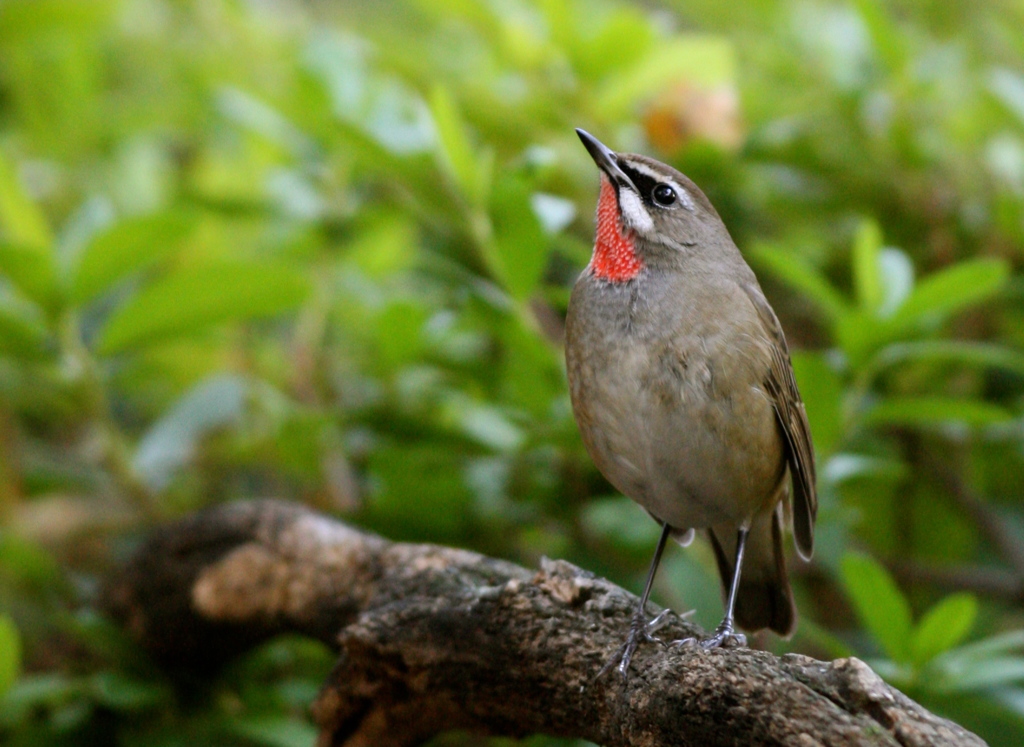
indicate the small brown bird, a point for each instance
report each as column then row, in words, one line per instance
column 683, row 390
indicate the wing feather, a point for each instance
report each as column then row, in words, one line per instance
column 780, row 385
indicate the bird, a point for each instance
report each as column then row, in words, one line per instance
column 683, row 390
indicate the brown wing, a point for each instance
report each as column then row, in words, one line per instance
column 789, row 409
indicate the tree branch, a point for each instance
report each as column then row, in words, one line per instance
column 433, row 638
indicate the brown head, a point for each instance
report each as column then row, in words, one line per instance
column 649, row 214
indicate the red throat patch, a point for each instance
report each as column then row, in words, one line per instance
column 614, row 253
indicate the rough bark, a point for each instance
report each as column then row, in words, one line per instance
column 434, row 638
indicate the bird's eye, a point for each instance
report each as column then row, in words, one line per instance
column 664, row 195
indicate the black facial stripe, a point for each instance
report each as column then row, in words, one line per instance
column 644, row 183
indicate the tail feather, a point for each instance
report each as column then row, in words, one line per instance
column 765, row 599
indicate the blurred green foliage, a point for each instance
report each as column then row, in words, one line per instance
column 293, row 249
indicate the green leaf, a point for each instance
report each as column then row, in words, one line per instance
column 456, row 152
column 944, row 626
column 867, row 278
column 128, row 246
column 702, row 60
column 984, row 674
column 70, row 716
column 1008, row 87
column 996, row 714
column 690, row 586
column 122, row 693
column 990, row 662
column 32, row 269
column 858, row 334
column 531, row 371
column 434, row 472
column 22, row 335
column 263, row 119
column 897, row 273
column 33, row 691
column 521, row 246
column 589, row 52
column 887, row 37
column 27, row 563
column 822, row 392
column 933, row 411
column 173, row 440
column 617, row 519
column 943, row 293
column 880, row 604
column 992, row 647
column 196, row 297
column 41, row 390
column 10, row 654
column 385, row 246
column 30, row 20
column 485, row 424
column 397, row 335
column 842, row 467
column 980, row 354
column 797, row 274
column 820, row 638
column 21, row 220
column 274, row 731
column 103, row 638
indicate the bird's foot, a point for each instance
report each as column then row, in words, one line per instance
column 725, row 636
column 641, row 630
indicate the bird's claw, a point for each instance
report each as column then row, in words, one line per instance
column 723, row 637
column 652, row 627
column 641, row 630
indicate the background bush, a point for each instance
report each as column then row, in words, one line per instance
column 322, row 251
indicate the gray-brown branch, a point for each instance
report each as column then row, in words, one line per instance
column 433, row 638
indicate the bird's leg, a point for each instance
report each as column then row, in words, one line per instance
column 725, row 634
column 640, row 629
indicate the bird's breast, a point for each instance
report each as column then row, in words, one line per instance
column 669, row 404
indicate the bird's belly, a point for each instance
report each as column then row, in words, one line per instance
column 688, row 450
column 715, row 461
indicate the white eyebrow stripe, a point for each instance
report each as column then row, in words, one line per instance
column 646, row 171
column 684, row 196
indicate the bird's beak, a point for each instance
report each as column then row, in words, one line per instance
column 605, row 160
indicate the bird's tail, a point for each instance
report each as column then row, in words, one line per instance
column 765, row 599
